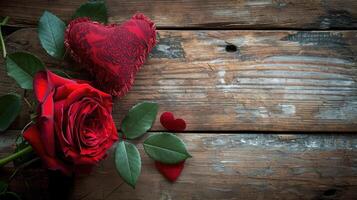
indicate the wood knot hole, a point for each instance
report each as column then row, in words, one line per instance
column 330, row 192
column 231, row 48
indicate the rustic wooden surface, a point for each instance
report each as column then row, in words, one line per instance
column 231, row 166
column 223, row 14
column 279, row 84
column 274, row 81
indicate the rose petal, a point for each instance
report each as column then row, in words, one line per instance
column 170, row 171
column 63, row 91
column 41, row 86
column 59, row 125
column 32, row 135
column 85, row 90
column 46, row 124
column 77, row 159
column 57, row 81
column 45, row 81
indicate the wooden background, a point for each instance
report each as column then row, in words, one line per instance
column 268, row 88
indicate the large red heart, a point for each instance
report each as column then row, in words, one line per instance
column 168, row 121
column 170, row 171
column 111, row 53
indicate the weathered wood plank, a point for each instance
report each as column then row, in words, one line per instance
column 274, row 81
column 237, row 166
column 249, row 14
column 243, row 167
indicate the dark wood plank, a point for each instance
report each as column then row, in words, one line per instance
column 274, row 81
column 250, row 14
column 234, row 166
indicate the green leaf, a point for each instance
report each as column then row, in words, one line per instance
column 10, row 106
column 3, row 187
column 128, row 162
column 22, row 67
column 61, row 73
column 139, row 119
column 4, row 21
column 166, row 148
column 95, row 10
column 51, row 33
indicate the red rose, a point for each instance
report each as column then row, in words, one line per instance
column 74, row 126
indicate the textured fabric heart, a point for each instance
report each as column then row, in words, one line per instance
column 169, row 171
column 168, row 121
column 111, row 53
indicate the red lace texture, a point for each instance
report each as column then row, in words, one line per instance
column 111, row 53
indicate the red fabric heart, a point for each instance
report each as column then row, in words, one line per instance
column 111, row 53
column 169, row 171
column 168, row 121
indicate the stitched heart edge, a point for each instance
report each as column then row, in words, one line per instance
column 103, row 77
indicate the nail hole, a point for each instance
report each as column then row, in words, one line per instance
column 330, row 192
column 231, row 48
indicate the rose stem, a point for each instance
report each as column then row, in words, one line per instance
column 1, row 38
column 15, row 155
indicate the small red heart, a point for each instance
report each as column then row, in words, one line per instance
column 169, row 171
column 111, row 53
column 168, row 121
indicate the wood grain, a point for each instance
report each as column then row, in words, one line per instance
column 221, row 81
column 274, row 81
column 214, row 14
column 229, row 166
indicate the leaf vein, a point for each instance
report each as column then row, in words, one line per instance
column 166, row 149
